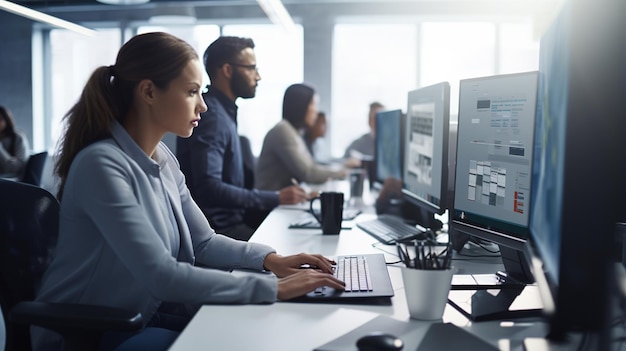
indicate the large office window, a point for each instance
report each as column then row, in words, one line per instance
column 371, row 62
column 519, row 47
column 451, row 51
column 73, row 58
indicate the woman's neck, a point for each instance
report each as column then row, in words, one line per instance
column 143, row 133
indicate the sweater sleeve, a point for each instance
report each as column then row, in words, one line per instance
column 207, row 152
column 115, row 206
column 293, row 154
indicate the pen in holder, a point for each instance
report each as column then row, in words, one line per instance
column 425, row 254
column 427, row 275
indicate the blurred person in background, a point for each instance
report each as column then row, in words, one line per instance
column 14, row 149
column 285, row 157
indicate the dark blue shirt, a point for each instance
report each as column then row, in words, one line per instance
column 212, row 162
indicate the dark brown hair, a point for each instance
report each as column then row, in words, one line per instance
column 224, row 50
column 109, row 92
column 296, row 102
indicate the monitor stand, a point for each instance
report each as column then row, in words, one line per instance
column 497, row 304
column 505, row 294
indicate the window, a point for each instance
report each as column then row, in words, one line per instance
column 519, row 49
column 451, row 51
column 371, row 62
column 73, row 58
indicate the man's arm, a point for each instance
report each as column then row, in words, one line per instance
column 208, row 150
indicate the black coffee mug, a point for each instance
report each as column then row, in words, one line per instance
column 331, row 211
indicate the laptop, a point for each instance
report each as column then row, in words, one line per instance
column 374, row 283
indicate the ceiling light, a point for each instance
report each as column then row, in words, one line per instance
column 42, row 17
column 123, row 2
column 277, row 13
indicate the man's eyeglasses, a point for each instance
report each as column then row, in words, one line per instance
column 247, row 67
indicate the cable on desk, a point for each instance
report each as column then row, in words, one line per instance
column 470, row 257
column 485, row 248
column 376, row 245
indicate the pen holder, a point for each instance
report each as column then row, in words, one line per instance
column 426, row 291
column 427, row 277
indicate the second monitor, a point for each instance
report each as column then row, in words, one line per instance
column 389, row 146
column 493, row 178
column 426, row 177
column 422, row 150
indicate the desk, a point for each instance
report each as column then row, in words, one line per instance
column 304, row 326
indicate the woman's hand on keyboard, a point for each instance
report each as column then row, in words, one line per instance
column 284, row 266
column 304, row 281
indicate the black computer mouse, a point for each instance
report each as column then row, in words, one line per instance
column 378, row 341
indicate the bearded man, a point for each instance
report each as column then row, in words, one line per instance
column 212, row 158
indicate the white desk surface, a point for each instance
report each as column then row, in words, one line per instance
column 305, row 326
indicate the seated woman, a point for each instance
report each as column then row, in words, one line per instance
column 130, row 234
column 284, row 156
column 14, row 150
column 316, row 131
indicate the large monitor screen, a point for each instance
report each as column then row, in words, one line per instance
column 578, row 177
column 496, row 125
column 495, row 140
column 426, row 143
column 388, row 151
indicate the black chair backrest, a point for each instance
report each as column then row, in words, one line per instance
column 34, row 168
column 29, row 227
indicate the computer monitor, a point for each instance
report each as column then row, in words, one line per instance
column 495, row 139
column 425, row 176
column 389, row 152
column 578, row 177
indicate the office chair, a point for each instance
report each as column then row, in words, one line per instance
column 29, row 222
column 34, row 168
column 3, row 332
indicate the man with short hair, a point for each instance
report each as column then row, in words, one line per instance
column 211, row 158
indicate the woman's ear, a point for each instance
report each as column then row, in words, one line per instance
column 145, row 91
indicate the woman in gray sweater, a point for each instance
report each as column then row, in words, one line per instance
column 285, row 155
column 130, row 234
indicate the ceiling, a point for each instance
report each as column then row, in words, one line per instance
column 73, row 3
column 47, row 3
column 92, row 10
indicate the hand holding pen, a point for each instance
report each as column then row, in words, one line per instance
column 293, row 194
